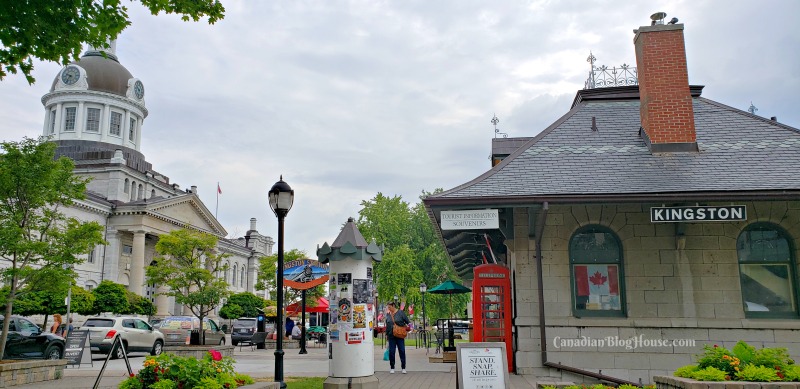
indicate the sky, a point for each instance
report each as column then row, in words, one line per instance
column 347, row 99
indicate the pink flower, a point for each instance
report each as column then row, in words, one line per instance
column 215, row 355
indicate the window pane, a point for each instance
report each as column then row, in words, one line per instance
column 69, row 120
column 116, row 122
column 763, row 244
column 53, row 121
column 594, row 246
column 132, row 131
column 767, row 287
column 597, row 287
column 93, row 120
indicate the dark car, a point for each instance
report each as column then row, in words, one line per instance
column 243, row 329
column 27, row 341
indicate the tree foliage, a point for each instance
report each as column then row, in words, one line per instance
column 139, row 305
column 56, row 30
column 111, row 297
column 37, row 241
column 231, row 311
column 248, row 302
column 413, row 254
column 187, row 262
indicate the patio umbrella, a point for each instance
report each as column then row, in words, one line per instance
column 450, row 287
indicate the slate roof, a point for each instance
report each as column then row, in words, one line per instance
column 739, row 153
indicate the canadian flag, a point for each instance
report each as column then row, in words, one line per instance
column 596, row 280
column 219, row 190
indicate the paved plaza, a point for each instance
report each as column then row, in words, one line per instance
column 261, row 364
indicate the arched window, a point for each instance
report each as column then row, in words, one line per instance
column 767, row 271
column 140, row 192
column 133, row 190
column 125, row 188
column 243, row 277
column 152, row 193
column 595, row 257
column 235, row 273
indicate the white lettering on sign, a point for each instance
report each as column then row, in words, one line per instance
column 471, row 220
column 698, row 214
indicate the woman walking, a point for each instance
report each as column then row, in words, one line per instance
column 396, row 318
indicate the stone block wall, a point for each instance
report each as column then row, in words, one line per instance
column 13, row 373
column 676, row 287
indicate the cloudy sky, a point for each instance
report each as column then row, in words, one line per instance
column 346, row 99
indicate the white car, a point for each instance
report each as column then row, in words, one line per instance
column 135, row 334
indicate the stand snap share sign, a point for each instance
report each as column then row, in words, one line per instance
column 478, row 219
column 482, row 365
column 729, row 213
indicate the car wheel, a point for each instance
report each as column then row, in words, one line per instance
column 235, row 342
column 117, row 353
column 222, row 342
column 52, row 352
column 158, row 347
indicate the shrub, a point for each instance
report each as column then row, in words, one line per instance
column 716, row 357
column 686, row 371
column 757, row 374
column 710, row 374
column 168, row 371
column 772, row 357
column 791, row 373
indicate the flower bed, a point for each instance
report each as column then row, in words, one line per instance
column 743, row 363
column 168, row 371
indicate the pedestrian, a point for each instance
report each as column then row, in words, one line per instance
column 394, row 318
column 297, row 333
column 67, row 329
column 56, row 328
column 289, row 327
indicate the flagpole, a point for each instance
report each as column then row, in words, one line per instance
column 216, row 209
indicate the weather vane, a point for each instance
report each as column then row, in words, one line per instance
column 752, row 109
column 495, row 120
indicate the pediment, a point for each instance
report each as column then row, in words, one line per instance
column 186, row 211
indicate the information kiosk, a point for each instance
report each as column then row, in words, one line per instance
column 491, row 306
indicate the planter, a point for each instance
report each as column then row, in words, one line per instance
column 26, row 372
column 663, row 382
column 198, row 351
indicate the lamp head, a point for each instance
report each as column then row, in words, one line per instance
column 281, row 198
column 423, row 288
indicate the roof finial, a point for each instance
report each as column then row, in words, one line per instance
column 495, row 120
column 752, row 109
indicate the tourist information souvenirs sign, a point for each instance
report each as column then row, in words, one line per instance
column 482, row 365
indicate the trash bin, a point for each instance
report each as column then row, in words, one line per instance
column 194, row 337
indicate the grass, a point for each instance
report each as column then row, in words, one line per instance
column 298, row 382
column 412, row 342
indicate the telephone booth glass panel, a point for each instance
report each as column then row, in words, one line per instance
column 491, row 306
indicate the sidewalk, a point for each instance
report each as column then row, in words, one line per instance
column 261, row 364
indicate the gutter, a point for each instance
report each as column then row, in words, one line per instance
column 542, row 323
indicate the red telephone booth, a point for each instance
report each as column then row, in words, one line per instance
column 491, row 306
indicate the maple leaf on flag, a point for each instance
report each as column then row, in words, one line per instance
column 598, row 279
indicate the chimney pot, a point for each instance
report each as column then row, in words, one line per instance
column 774, row 118
column 252, row 224
column 194, row 189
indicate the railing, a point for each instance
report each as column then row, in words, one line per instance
column 604, row 77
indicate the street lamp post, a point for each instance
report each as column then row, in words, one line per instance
column 303, row 325
column 424, row 288
column 281, row 197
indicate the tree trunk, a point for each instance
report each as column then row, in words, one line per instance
column 7, row 317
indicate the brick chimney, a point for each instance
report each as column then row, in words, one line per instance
column 666, row 103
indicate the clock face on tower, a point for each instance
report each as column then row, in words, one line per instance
column 70, row 75
column 138, row 89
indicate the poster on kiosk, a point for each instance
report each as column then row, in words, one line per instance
column 352, row 302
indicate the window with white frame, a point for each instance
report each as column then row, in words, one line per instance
column 53, row 121
column 115, row 124
column 69, row 118
column 132, row 131
column 93, row 119
column 125, row 188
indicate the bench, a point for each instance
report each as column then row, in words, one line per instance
column 256, row 339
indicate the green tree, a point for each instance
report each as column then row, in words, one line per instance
column 139, row 305
column 413, row 253
column 248, row 302
column 37, row 241
column 56, row 30
column 82, row 301
column 187, row 261
column 111, row 297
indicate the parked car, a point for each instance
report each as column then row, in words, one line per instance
column 27, row 341
column 178, row 330
column 135, row 334
column 243, row 329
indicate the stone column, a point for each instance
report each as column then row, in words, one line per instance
column 162, row 301
column 111, row 256
column 137, row 263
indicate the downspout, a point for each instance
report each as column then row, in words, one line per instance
column 105, row 246
column 542, row 324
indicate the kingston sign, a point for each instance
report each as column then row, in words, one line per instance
column 698, row 214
